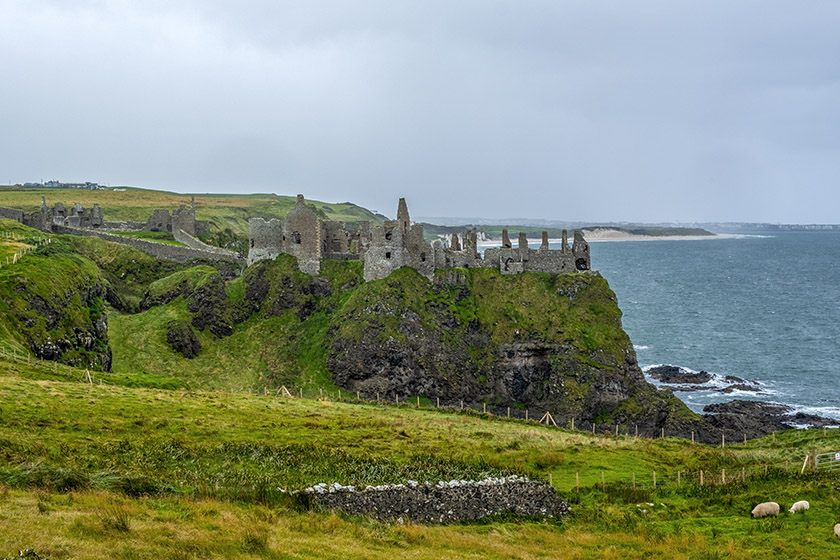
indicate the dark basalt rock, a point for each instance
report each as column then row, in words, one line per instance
column 674, row 374
column 208, row 305
column 756, row 418
column 182, row 339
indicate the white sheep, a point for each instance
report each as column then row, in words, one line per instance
column 764, row 509
column 837, row 529
column 801, row 505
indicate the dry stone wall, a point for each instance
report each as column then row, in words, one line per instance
column 443, row 502
column 163, row 251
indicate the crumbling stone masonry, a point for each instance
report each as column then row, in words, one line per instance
column 442, row 502
column 77, row 216
column 397, row 243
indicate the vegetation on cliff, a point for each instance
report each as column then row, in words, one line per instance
column 90, row 471
column 170, row 456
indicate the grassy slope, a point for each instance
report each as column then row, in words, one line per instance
column 211, row 450
column 224, row 211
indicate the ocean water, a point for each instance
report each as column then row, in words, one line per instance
column 761, row 307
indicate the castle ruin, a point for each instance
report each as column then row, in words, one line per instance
column 78, row 217
column 397, row 243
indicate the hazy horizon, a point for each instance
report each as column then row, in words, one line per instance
column 644, row 112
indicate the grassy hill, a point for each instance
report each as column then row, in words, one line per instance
column 92, row 471
column 169, row 457
column 223, row 211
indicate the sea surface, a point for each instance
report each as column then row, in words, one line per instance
column 761, row 307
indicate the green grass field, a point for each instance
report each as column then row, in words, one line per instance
column 172, row 458
column 92, row 471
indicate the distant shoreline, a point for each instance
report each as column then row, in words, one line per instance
column 601, row 235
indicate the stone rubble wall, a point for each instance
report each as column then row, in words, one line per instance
column 163, row 251
column 443, row 502
column 11, row 213
column 182, row 236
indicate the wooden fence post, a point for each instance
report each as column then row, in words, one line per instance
column 462, row 404
column 603, row 484
column 418, row 401
column 301, row 392
column 593, row 428
column 573, row 423
column 377, row 396
column 358, row 395
column 634, row 481
column 485, row 407
column 679, row 482
column 743, row 474
column 723, row 476
column 508, row 412
column 526, row 414
column 745, row 437
column 551, row 480
column 722, row 440
column 701, row 478
column 437, row 402
column 692, row 436
column 654, row 479
column 577, row 481
column 663, row 432
column 637, row 432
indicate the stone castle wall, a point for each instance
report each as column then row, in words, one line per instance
column 398, row 243
column 163, row 251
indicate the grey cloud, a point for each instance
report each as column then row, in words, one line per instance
column 642, row 111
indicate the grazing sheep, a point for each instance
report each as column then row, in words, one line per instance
column 837, row 529
column 801, row 505
column 764, row 509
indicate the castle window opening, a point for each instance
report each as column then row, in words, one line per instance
column 388, row 255
column 388, row 236
column 252, row 243
column 422, row 257
column 296, row 237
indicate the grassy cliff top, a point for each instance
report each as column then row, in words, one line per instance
column 225, row 211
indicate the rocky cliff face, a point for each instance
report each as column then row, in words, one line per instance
column 531, row 340
column 53, row 304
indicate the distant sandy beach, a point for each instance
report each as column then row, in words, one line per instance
column 608, row 234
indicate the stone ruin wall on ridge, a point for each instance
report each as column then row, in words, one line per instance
column 397, row 243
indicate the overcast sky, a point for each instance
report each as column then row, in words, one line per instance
column 569, row 110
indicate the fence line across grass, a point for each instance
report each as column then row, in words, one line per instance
column 598, row 480
column 15, row 258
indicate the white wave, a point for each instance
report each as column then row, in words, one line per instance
column 828, row 411
column 716, row 381
column 640, row 347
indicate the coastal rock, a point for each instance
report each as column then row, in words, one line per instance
column 756, row 418
column 674, row 374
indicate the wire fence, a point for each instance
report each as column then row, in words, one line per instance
column 15, row 257
column 711, row 477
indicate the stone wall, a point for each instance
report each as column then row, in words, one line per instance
column 183, row 237
column 266, row 239
column 11, row 214
column 163, row 251
column 444, row 501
